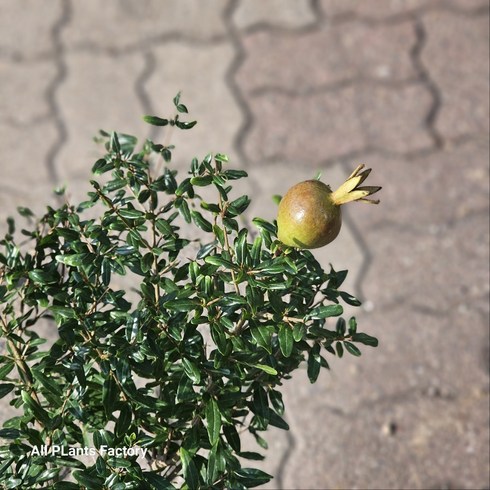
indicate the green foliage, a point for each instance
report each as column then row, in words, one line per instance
column 178, row 365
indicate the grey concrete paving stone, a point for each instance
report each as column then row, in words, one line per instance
column 463, row 80
column 24, row 177
column 117, row 25
column 394, row 118
column 394, row 10
column 288, row 88
column 304, row 130
column 276, row 13
column 26, row 28
column 22, row 100
column 327, row 56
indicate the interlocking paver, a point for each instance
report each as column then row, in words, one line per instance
column 253, row 13
column 327, row 56
column 24, row 178
column 463, row 78
column 311, row 129
column 353, row 449
column 393, row 118
column 382, row 10
column 333, row 123
column 119, row 24
column 25, row 31
column 22, row 101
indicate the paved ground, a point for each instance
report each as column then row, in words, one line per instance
column 287, row 88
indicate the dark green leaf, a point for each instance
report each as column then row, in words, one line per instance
column 232, row 437
column 87, row 480
column 349, row 299
column 191, row 370
column 163, row 226
column 43, row 277
column 267, row 369
column 6, row 388
column 352, row 349
column 36, row 409
column 352, row 325
column 131, row 213
column 213, row 421
column 201, row 222
column 263, row 336
column 286, row 340
column 155, row 121
column 26, row 212
column 51, row 386
column 314, row 363
column 218, row 260
column 191, row 475
column 5, row 369
column 252, row 477
column 278, row 421
column 235, row 174
column 339, row 348
column 202, row 180
column 299, row 331
column 157, row 481
column 181, row 304
column 251, row 455
column 110, row 393
column 365, row 339
column 123, row 421
column 276, row 400
column 114, row 143
column 185, row 125
column 321, row 312
column 10, row 433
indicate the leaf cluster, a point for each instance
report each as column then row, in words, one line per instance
column 181, row 363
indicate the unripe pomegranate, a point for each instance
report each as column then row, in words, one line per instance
column 309, row 215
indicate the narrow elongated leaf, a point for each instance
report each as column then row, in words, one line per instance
column 5, row 389
column 326, row 311
column 201, row 222
column 191, row 475
column 181, row 304
column 352, row 349
column 131, row 213
column 276, row 400
column 155, row 121
column 36, row 409
column 314, row 363
column 55, row 393
column 252, row 477
column 263, row 336
column 110, row 394
column 213, row 420
column 43, row 277
column 191, row 370
column 267, row 369
column 365, row 339
column 5, row 369
column 157, row 481
column 123, row 421
column 217, row 260
column 87, row 480
column 286, row 340
column 232, row 437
